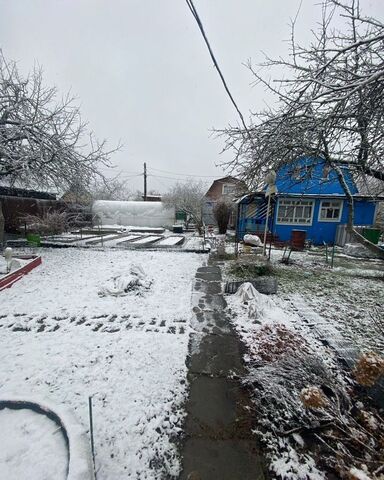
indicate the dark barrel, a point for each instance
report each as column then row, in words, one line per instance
column 298, row 239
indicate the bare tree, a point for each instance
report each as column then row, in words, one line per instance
column 329, row 104
column 111, row 189
column 222, row 213
column 42, row 138
column 187, row 198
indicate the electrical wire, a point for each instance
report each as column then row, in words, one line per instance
column 193, row 10
column 175, row 178
column 182, row 174
column 136, row 175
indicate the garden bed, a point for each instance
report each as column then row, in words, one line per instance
column 27, row 263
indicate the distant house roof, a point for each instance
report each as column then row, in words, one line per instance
column 215, row 190
column 25, row 193
column 152, row 198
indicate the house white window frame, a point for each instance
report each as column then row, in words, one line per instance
column 333, row 220
column 231, row 185
column 308, row 201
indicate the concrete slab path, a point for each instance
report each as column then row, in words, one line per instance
column 219, row 443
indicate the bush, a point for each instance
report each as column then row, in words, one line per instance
column 250, row 270
column 222, row 213
column 48, row 223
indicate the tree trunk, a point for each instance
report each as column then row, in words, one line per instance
column 351, row 213
column 2, row 223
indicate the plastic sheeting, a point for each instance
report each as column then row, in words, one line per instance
column 136, row 214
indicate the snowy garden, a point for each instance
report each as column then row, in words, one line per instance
column 68, row 333
column 153, row 327
column 314, row 361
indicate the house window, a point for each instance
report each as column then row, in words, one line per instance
column 296, row 212
column 330, row 210
column 228, row 189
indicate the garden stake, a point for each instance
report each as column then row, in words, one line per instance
column 91, row 433
column 333, row 254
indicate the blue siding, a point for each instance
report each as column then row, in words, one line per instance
column 306, row 177
column 320, row 232
column 310, row 171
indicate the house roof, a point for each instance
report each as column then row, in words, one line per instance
column 229, row 179
column 261, row 195
column 24, row 193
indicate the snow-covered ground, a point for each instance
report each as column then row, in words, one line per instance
column 63, row 341
column 295, row 340
column 348, row 297
column 32, row 447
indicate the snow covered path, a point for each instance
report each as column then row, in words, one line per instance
column 61, row 340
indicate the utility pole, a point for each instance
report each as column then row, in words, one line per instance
column 145, row 182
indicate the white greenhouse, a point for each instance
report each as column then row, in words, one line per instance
column 135, row 214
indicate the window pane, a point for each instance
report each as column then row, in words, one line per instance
column 307, row 212
column 295, row 211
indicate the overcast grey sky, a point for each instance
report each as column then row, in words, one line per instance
column 142, row 73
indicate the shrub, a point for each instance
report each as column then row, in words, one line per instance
column 222, row 213
column 48, row 223
column 369, row 369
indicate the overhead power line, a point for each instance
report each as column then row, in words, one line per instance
column 135, row 175
column 174, row 178
column 183, row 174
column 193, row 10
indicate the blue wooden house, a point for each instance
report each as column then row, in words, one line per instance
column 309, row 197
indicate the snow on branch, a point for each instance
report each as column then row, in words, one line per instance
column 43, row 139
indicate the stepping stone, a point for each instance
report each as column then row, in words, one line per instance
column 215, row 355
column 222, row 460
column 218, row 414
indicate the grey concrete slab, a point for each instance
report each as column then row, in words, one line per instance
column 208, row 276
column 210, row 322
column 215, row 355
column 209, row 269
column 217, row 408
column 218, row 428
column 212, row 288
column 206, row 459
column 215, row 301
